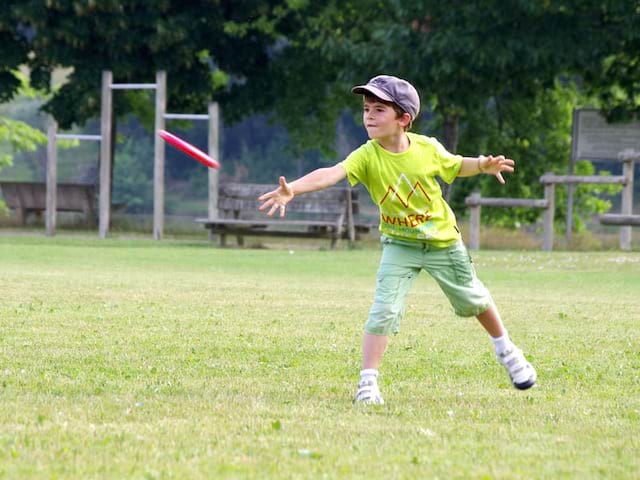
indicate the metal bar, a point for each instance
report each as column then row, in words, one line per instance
column 133, row 86
column 73, row 136
column 186, row 116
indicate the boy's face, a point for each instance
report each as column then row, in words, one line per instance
column 381, row 120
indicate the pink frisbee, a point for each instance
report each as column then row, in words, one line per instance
column 189, row 149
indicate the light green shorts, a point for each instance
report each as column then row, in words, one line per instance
column 400, row 264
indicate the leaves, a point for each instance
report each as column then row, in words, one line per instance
column 20, row 135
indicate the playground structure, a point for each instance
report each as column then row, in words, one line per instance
column 625, row 219
column 104, row 202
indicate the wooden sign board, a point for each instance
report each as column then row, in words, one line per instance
column 596, row 140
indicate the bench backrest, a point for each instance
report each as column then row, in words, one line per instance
column 241, row 200
column 33, row 195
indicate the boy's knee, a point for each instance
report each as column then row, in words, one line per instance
column 471, row 310
column 384, row 319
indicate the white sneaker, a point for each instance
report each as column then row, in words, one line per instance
column 520, row 371
column 368, row 393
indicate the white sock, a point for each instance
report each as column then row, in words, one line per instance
column 369, row 374
column 501, row 343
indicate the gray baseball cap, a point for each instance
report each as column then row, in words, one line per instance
column 392, row 89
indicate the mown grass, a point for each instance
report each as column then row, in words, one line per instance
column 140, row 359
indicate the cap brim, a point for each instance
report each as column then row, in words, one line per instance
column 362, row 89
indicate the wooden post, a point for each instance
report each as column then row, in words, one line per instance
column 158, row 156
column 105, row 154
column 52, row 175
column 627, row 203
column 549, row 195
column 474, row 221
column 571, row 187
column 214, row 152
column 351, row 228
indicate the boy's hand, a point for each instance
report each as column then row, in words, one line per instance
column 277, row 199
column 495, row 166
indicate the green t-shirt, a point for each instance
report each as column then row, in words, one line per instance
column 404, row 187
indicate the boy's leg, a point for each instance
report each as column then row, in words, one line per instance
column 492, row 323
column 373, row 348
column 521, row 373
column 396, row 274
column 453, row 270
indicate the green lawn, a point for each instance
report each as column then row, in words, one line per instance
column 141, row 359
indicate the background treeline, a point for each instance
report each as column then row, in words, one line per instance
column 494, row 76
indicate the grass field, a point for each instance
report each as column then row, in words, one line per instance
column 135, row 359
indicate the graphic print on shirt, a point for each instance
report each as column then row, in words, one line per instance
column 405, row 209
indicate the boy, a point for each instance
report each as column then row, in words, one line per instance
column 418, row 228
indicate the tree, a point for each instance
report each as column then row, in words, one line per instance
column 462, row 55
column 613, row 72
column 194, row 42
column 13, row 53
column 207, row 48
column 490, row 66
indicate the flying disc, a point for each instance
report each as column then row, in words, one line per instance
column 189, row 149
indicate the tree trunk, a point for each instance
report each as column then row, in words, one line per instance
column 450, row 132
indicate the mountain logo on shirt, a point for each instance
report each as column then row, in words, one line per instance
column 404, row 191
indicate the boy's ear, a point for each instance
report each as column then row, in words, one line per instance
column 405, row 120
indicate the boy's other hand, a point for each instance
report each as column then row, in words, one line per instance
column 277, row 199
column 495, row 165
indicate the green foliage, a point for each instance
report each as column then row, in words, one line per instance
column 205, row 47
column 20, row 136
column 14, row 49
column 589, row 200
column 615, row 78
column 133, row 177
column 505, row 55
column 537, row 135
column 17, row 135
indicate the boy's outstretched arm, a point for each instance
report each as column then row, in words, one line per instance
column 492, row 165
column 317, row 180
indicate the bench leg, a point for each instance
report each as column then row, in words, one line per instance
column 21, row 216
column 240, row 240
column 223, row 240
column 88, row 214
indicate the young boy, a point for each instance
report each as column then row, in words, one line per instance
column 418, row 228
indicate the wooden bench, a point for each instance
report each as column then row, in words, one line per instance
column 31, row 197
column 325, row 214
